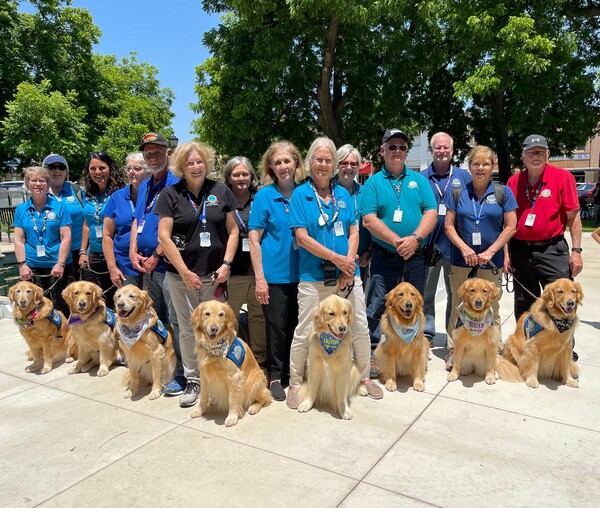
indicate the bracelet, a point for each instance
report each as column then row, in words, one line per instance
column 62, row 265
column 576, row 249
column 21, row 263
column 83, row 252
column 227, row 263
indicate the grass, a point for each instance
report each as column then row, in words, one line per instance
column 588, row 225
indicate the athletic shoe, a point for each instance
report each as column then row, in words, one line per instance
column 175, row 387
column 293, row 397
column 189, row 397
column 373, row 390
column 277, row 390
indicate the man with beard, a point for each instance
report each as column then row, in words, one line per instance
column 443, row 178
column 145, row 252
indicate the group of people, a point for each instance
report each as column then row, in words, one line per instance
column 285, row 245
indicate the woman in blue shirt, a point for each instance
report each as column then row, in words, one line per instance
column 118, row 217
column 102, row 177
column 43, row 237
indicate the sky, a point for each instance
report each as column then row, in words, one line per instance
column 164, row 33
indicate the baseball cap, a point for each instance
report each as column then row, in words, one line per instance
column 394, row 133
column 54, row 158
column 534, row 140
column 153, row 137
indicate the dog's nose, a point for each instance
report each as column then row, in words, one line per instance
column 478, row 303
column 214, row 329
column 121, row 305
column 409, row 305
column 342, row 329
column 570, row 303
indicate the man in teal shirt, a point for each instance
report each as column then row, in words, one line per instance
column 399, row 208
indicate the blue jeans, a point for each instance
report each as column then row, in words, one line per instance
column 433, row 275
column 387, row 271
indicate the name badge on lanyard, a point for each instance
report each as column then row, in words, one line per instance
column 442, row 209
column 338, row 228
column 205, row 239
column 40, row 251
column 245, row 245
column 530, row 219
column 140, row 227
column 98, row 230
column 476, row 238
column 397, row 216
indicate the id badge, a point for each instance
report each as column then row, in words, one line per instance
column 358, row 224
column 530, row 219
column 245, row 245
column 140, row 227
column 397, row 215
column 205, row 239
column 477, row 238
column 442, row 209
column 338, row 228
column 40, row 251
column 98, row 231
column 294, row 243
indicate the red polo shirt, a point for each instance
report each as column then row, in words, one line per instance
column 557, row 195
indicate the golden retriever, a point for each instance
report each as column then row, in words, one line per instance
column 44, row 329
column 230, row 378
column 146, row 342
column 477, row 337
column 90, row 327
column 332, row 377
column 542, row 345
column 404, row 350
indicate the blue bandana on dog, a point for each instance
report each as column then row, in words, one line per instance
column 406, row 333
column 329, row 342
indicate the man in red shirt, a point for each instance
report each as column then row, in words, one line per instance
column 548, row 204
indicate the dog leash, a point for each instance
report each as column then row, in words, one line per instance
column 348, row 287
column 512, row 270
column 473, row 272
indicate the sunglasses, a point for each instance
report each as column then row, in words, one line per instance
column 57, row 166
column 95, row 155
column 397, row 148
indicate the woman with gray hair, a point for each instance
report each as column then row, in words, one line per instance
column 240, row 177
column 323, row 217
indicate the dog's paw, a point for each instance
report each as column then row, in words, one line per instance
column 45, row 370
column 102, row 371
column 453, row 376
column 87, row 367
column 496, row 375
column 418, row 386
column 347, row 414
column 32, row 368
column 127, row 394
column 231, row 420
column 490, row 380
column 532, row 382
column 155, row 394
column 254, row 408
column 197, row 413
column 390, row 385
column 69, row 359
column 362, row 390
column 305, row 406
column 572, row 383
column 73, row 370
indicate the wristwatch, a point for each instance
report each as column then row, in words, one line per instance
column 21, row 263
column 156, row 255
column 576, row 249
column 225, row 262
column 419, row 238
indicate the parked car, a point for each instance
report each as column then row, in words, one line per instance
column 12, row 193
column 584, row 191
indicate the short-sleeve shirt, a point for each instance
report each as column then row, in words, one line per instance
column 383, row 194
column 305, row 213
column 241, row 264
column 93, row 214
column 178, row 203
column 556, row 196
column 441, row 186
column 270, row 214
column 491, row 220
column 364, row 236
column 68, row 197
column 48, row 222
column 119, row 208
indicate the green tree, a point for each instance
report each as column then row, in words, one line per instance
column 41, row 121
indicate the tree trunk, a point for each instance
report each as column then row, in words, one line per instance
column 501, row 135
column 327, row 117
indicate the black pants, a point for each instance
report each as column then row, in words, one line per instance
column 98, row 274
column 55, row 294
column 536, row 266
column 281, row 316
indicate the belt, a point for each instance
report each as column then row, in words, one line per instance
column 542, row 243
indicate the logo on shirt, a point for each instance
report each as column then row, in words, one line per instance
column 546, row 193
column 456, row 183
column 491, row 199
column 212, row 200
column 413, row 185
column 70, row 199
column 342, row 204
column 52, row 216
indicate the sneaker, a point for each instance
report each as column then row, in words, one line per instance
column 373, row 390
column 189, row 397
column 293, row 397
column 277, row 390
column 175, row 387
column 449, row 361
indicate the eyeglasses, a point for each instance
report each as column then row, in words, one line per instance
column 327, row 162
column 57, row 166
column 397, row 148
column 535, row 153
column 345, row 164
column 480, row 165
column 38, row 180
column 154, row 154
column 134, row 168
column 191, row 164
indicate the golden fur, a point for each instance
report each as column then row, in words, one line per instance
column 331, row 379
column 223, row 385
column 94, row 339
column 149, row 361
column 476, row 354
column 393, row 356
column 548, row 354
column 46, row 342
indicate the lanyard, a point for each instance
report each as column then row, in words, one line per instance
column 202, row 216
column 441, row 192
column 98, row 202
column 243, row 224
column 324, row 217
column 151, row 204
column 536, row 194
column 478, row 215
column 398, row 188
column 40, row 234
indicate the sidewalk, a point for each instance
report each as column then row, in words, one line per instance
column 74, row 441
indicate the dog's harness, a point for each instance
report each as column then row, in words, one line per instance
column 474, row 326
column 131, row 334
column 109, row 318
column 531, row 327
column 235, row 352
column 406, row 333
column 27, row 322
column 329, row 342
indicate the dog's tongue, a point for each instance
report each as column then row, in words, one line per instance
column 339, row 336
column 407, row 313
column 568, row 311
column 212, row 336
column 123, row 313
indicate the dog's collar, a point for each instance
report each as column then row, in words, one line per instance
column 406, row 333
column 329, row 342
column 475, row 326
column 27, row 321
column 109, row 318
column 131, row 334
column 222, row 349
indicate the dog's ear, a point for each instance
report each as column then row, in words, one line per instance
column 419, row 298
column 11, row 294
column 196, row 317
column 494, row 292
column 548, row 295
column 38, row 294
column 350, row 310
column 462, row 290
column 97, row 295
column 318, row 314
column 231, row 322
column 579, row 292
column 146, row 300
column 66, row 293
column 116, row 296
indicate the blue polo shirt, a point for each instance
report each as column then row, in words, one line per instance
column 305, row 213
column 270, row 215
column 383, row 194
column 93, row 214
column 69, row 199
column 148, row 193
column 491, row 220
column 364, row 236
column 441, row 186
column 120, row 208
column 48, row 223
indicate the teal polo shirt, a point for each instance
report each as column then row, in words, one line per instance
column 383, row 194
